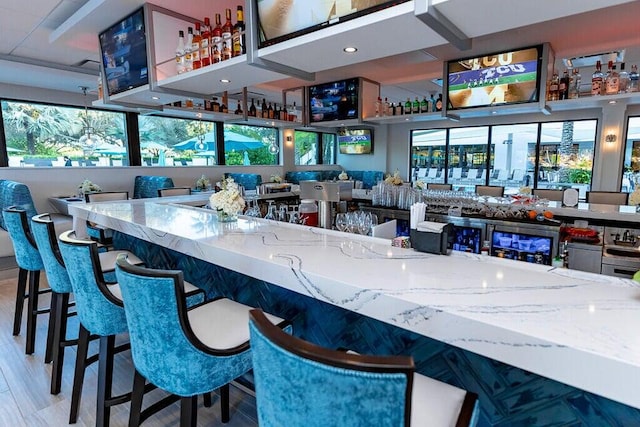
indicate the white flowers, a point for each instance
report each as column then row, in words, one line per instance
column 276, row 178
column 420, row 184
column 343, row 176
column 88, row 187
column 634, row 198
column 393, row 179
column 524, row 190
column 228, row 199
column 203, row 183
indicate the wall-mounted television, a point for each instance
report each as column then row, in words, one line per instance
column 355, row 141
column 334, row 101
column 279, row 21
column 123, row 48
column 502, row 78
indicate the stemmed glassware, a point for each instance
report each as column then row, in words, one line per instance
column 254, row 208
column 341, row 222
column 271, row 211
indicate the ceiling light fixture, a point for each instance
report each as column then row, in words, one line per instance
column 350, row 49
column 274, row 148
column 89, row 141
column 225, row 81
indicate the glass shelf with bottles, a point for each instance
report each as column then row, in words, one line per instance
column 408, row 111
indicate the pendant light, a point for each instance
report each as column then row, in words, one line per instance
column 89, row 140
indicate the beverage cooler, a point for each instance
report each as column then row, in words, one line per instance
column 468, row 234
column 535, row 243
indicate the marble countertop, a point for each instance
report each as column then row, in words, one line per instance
column 579, row 328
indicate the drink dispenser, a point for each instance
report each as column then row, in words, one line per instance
column 309, row 212
column 327, row 194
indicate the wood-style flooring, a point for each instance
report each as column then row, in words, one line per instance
column 25, row 380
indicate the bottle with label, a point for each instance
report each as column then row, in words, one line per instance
column 227, row 32
column 597, row 80
column 252, row 108
column 188, row 57
column 574, row 87
column 400, row 109
column 195, row 47
column 215, row 105
column 224, row 107
column 216, row 56
column 432, row 101
column 226, row 50
column 270, row 111
column 612, row 83
column 415, row 107
column 205, row 43
column 633, row 79
column 216, row 36
column 180, row 53
column 238, row 34
column 563, row 89
column 238, row 110
column 386, row 108
column 424, row 105
column 623, row 80
column 554, row 87
column 378, row 106
column 439, row 102
column 264, row 112
column 407, row 106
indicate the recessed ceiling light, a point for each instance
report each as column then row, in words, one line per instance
column 613, row 101
column 225, row 81
column 155, row 98
column 350, row 49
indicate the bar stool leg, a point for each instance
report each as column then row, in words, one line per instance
column 32, row 315
column 51, row 330
column 21, row 292
column 224, row 403
column 78, row 377
column 105, row 379
column 137, row 395
column 189, row 411
column 60, row 336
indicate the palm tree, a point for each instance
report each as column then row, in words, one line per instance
column 564, row 150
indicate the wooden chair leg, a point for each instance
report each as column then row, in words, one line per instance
column 137, row 395
column 105, row 379
column 21, row 292
column 78, row 376
column 59, row 338
column 51, row 329
column 224, row 403
column 189, row 411
column 32, row 315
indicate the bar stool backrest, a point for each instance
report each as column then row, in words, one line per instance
column 607, row 197
column 45, row 236
column 24, row 245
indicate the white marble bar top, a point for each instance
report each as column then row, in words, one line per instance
column 578, row 328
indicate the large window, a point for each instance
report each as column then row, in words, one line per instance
column 250, row 145
column 468, row 156
column 168, row 141
column 631, row 174
column 50, row 135
column 428, row 154
column 313, row 148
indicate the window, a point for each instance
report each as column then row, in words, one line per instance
column 250, row 145
column 166, row 141
column 309, row 150
column 468, row 157
column 511, row 164
column 51, row 135
column 631, row 174
column 428, row 152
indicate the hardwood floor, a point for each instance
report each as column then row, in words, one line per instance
column 25, row 380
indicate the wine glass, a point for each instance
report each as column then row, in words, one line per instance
column 271, row 212
column 364, row 223
column 341, row 222
column 352, row 222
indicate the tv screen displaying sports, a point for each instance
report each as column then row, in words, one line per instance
column 124, row 54
column 497, row 79
column 355, row 141
column 334, row 101
column 282, row 20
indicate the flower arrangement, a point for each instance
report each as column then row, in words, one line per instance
column 524, row 190
column 276, row 178
column 393, row 179
column 420, row 184
column 87, row 186
column 343, row 176
column 634, row 198
column 228, row 200
column 203, row 183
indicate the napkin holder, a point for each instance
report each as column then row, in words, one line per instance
column 433, row 242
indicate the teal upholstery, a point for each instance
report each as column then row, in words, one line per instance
column 47, row 241
column 296, row 176
column 15, row 194
column 250, row 181
column 146, row 186
column 297, row 391
column 16, row 223
column 330, row 175
column 369, row 178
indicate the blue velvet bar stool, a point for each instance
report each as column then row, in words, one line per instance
column 300, row 384
column 29, row 264
column 100, row 309
column 183, row 351
column 44, row 233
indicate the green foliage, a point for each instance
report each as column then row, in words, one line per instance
column 580, row 176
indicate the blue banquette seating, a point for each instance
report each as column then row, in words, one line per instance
column 250, row 181
column 369, row 178
column 146, row 186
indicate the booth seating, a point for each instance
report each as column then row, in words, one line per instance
column 369, row 178
column 250, row 181
column 146, row 186
column 184, row 352
column 301, row 384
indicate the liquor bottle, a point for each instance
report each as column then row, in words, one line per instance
column 378, row 106
column 264, row 112
column 415, row 107
column 226, row 50
column 205, row 43
column 188, row 57
column 439, row 102
column 216, row 35
column 238, row 110
column 574, row 87
column 554, row 87
column 597, row 80
column 224, row 107
column 424, row 105
column 400, row 108
column 216, row 56
column 270, row 111
column 227, row 31
column 407, row 106
column 216, row 105
column 276, row 111
column 238, row 34
column 252, row 108
column 633, row 79
column 612, row 82
column 195, row 47
column 180, row 53
column 386, row 107
column 623, row 80
column 432, row 100
column 563, row 89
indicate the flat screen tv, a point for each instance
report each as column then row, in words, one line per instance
column 124, row 54
column 334, row 101
column 283, row 20
column 355, row 141
column 502, row 78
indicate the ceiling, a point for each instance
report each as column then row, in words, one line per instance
column 34, row 51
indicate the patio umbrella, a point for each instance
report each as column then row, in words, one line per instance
column 152, row 145
column 109, row 149
column 246, row 160
column 232, row 141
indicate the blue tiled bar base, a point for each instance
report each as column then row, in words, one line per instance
column 509, row 396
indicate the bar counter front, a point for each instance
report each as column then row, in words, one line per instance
column 540, row 345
